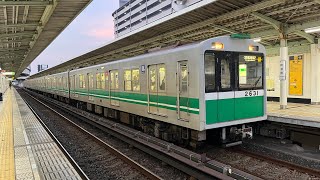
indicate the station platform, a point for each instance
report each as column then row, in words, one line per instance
column 297, row 114
column 26, row 150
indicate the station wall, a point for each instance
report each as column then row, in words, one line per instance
column 273, row 72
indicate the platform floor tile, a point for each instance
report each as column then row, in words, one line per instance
column 296, row 113
column 6, row 139
column 37, row 156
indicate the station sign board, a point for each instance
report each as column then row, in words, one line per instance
column 296, row 75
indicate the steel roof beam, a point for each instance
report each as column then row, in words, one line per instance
column 224, row 29
column 19, row 25
column 25, row 3
column 31, row 33
column 307, row 36
column 274, row 23
column 303, row 26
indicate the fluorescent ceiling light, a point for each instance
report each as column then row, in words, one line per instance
column 258, row 39
column 312, row 30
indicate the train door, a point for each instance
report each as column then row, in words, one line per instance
column 183, row 91
column 74, row 87
column 157, row 89
column 114, row 88
column 90, row 86
column 226, row 93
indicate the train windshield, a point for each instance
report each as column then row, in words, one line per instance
column 226, row 71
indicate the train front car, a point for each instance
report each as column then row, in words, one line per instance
column 234, row 86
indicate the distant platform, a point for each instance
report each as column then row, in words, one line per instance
column 26, row 150
column 298, row 114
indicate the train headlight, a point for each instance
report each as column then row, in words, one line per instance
column 217, row 46
column 253, row 48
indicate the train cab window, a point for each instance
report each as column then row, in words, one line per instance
column 162, row 77
column 114, row 79
column 210, row 72
column 250, row 71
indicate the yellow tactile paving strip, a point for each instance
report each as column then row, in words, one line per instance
column 305, row 112
column 6, row 136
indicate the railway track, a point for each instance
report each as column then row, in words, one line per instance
column 262, row 166
column 100, row 150
column 306, row 170
column 191, row 163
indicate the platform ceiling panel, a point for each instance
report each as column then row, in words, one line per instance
column 265, row 19
column 27, row 27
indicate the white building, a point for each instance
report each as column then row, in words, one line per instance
column 137, row 13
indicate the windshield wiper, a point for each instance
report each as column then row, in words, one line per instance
column 255, row 84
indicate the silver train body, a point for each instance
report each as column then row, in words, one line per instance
column 212, row 84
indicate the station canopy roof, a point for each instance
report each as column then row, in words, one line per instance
column 27, row 27
column 268, row 19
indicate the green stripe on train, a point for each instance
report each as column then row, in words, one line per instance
column 167, row 102
column 234, row 109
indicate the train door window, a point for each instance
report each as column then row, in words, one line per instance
column 184, row 78
column 103, row 81
column 127, row 80
column 210, row 72
column 135, row 79
column 153, row 79
column 114, row 81
column 98, row 81
column 107, row 80
column 91, row 81
column 225, row 73
column 82, row 81
column 183, row 92
column 162, row 77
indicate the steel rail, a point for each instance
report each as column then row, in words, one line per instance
column 110, row 148
column 187, row 161
column 315, row 172
column 64, row 151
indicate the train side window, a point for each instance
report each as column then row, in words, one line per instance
column 162, row 77
column 135, row 79
column 210, row 72
column 127, row 80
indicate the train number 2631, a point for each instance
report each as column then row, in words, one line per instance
column 251, row 93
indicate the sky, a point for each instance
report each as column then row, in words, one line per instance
column 90, row 30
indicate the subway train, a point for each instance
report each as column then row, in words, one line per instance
column 181, row 94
